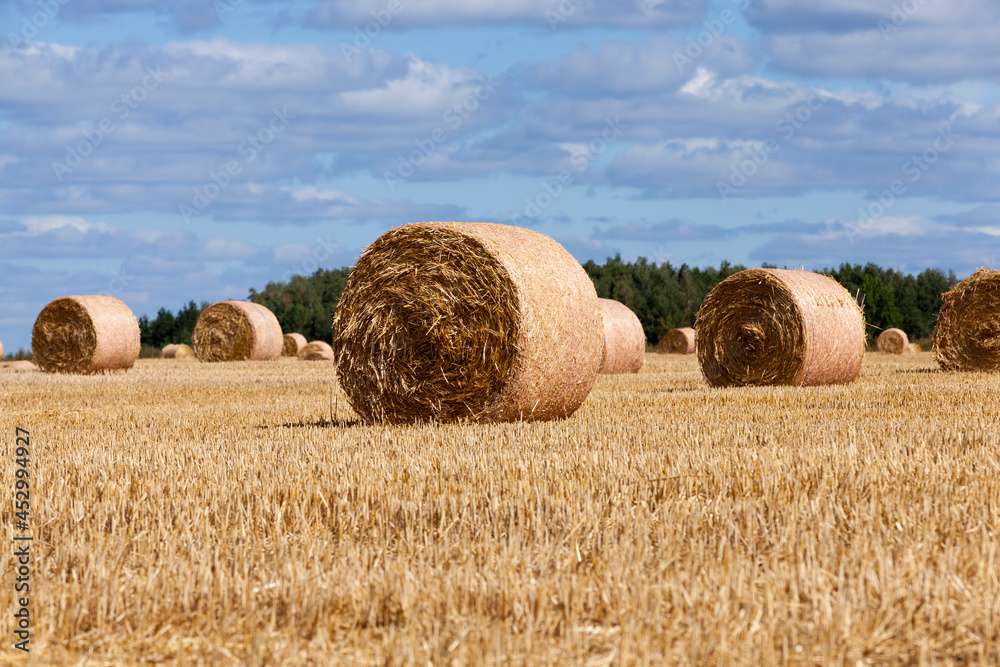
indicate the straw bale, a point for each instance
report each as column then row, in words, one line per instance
column 237, row 331
column 317, row 350
column 1, row 350
column 624, row 339
column 967, row 335
column 913, row 348
column 677, row 341
column 85, row 334
column 779, row 327
column 178, row 351
column 893, row 341
column 18, row 366
column 293, row 344
column 467, row 321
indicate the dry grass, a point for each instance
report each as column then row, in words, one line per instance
column 210, row 513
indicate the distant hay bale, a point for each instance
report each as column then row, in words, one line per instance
column 467, row 321
column 913, row 348
column 893, row 341
column 85, row 334
column 677, row 341
column 18, row 366
column 967, row 335
column 237, row 331
column 178, row 351
column 624, row 339
column 779, row 327
column 1, row 350
column 293, row 344
column 316, row 351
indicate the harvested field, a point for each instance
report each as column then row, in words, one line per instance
column 212, row 513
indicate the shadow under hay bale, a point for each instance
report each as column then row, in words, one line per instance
column 624, row 339
column 967, row 335
column 293, row 344
column 237, row 331
column 677, row 341
column 893, row 341
column 85, row 334
column 178, row 351
column 779, row 327
column 467, row 321
column 316, row 351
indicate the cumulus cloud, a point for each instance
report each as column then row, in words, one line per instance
column 407, row 14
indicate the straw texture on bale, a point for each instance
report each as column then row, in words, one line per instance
column 624, row 339
column 316, row 351
column 178, row 351
column 1, row 350
column 237, row 331
column 779, row 327
column 677, row 341
column 893, row 341
column 467, row 321
column 967, row 335
column 85, row 334
column 293, row 344
column 913, row 348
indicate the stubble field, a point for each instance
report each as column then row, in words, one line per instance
column 213, row 513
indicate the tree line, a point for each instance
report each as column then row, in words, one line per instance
column 661, row 295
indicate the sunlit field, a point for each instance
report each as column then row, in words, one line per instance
column 240, row 514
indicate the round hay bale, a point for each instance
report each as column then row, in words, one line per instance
column 467, row 321
column 237, row 331
column 779, row 327
column 178, row 351
column 1, row 350
column 893, row 341
column 624, row 339
column 19, row 366
column 85, row 334
column 316, row 351
column 293, row 344
column 677, row 341
column 913, row 348
column 967, row 335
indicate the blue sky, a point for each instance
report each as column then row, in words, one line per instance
column 164, row 152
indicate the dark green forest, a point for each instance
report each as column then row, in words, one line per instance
column 662, row 295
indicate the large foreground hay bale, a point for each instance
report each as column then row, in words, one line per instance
column 677, row 341
column 237, row 331
column 967, row 335
column 317, row 350
column 178, row 351
column 624, row 339
column 477, row 321
column 85, row 334
column 779, row 327
column 293, row 344
column 893, row 341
